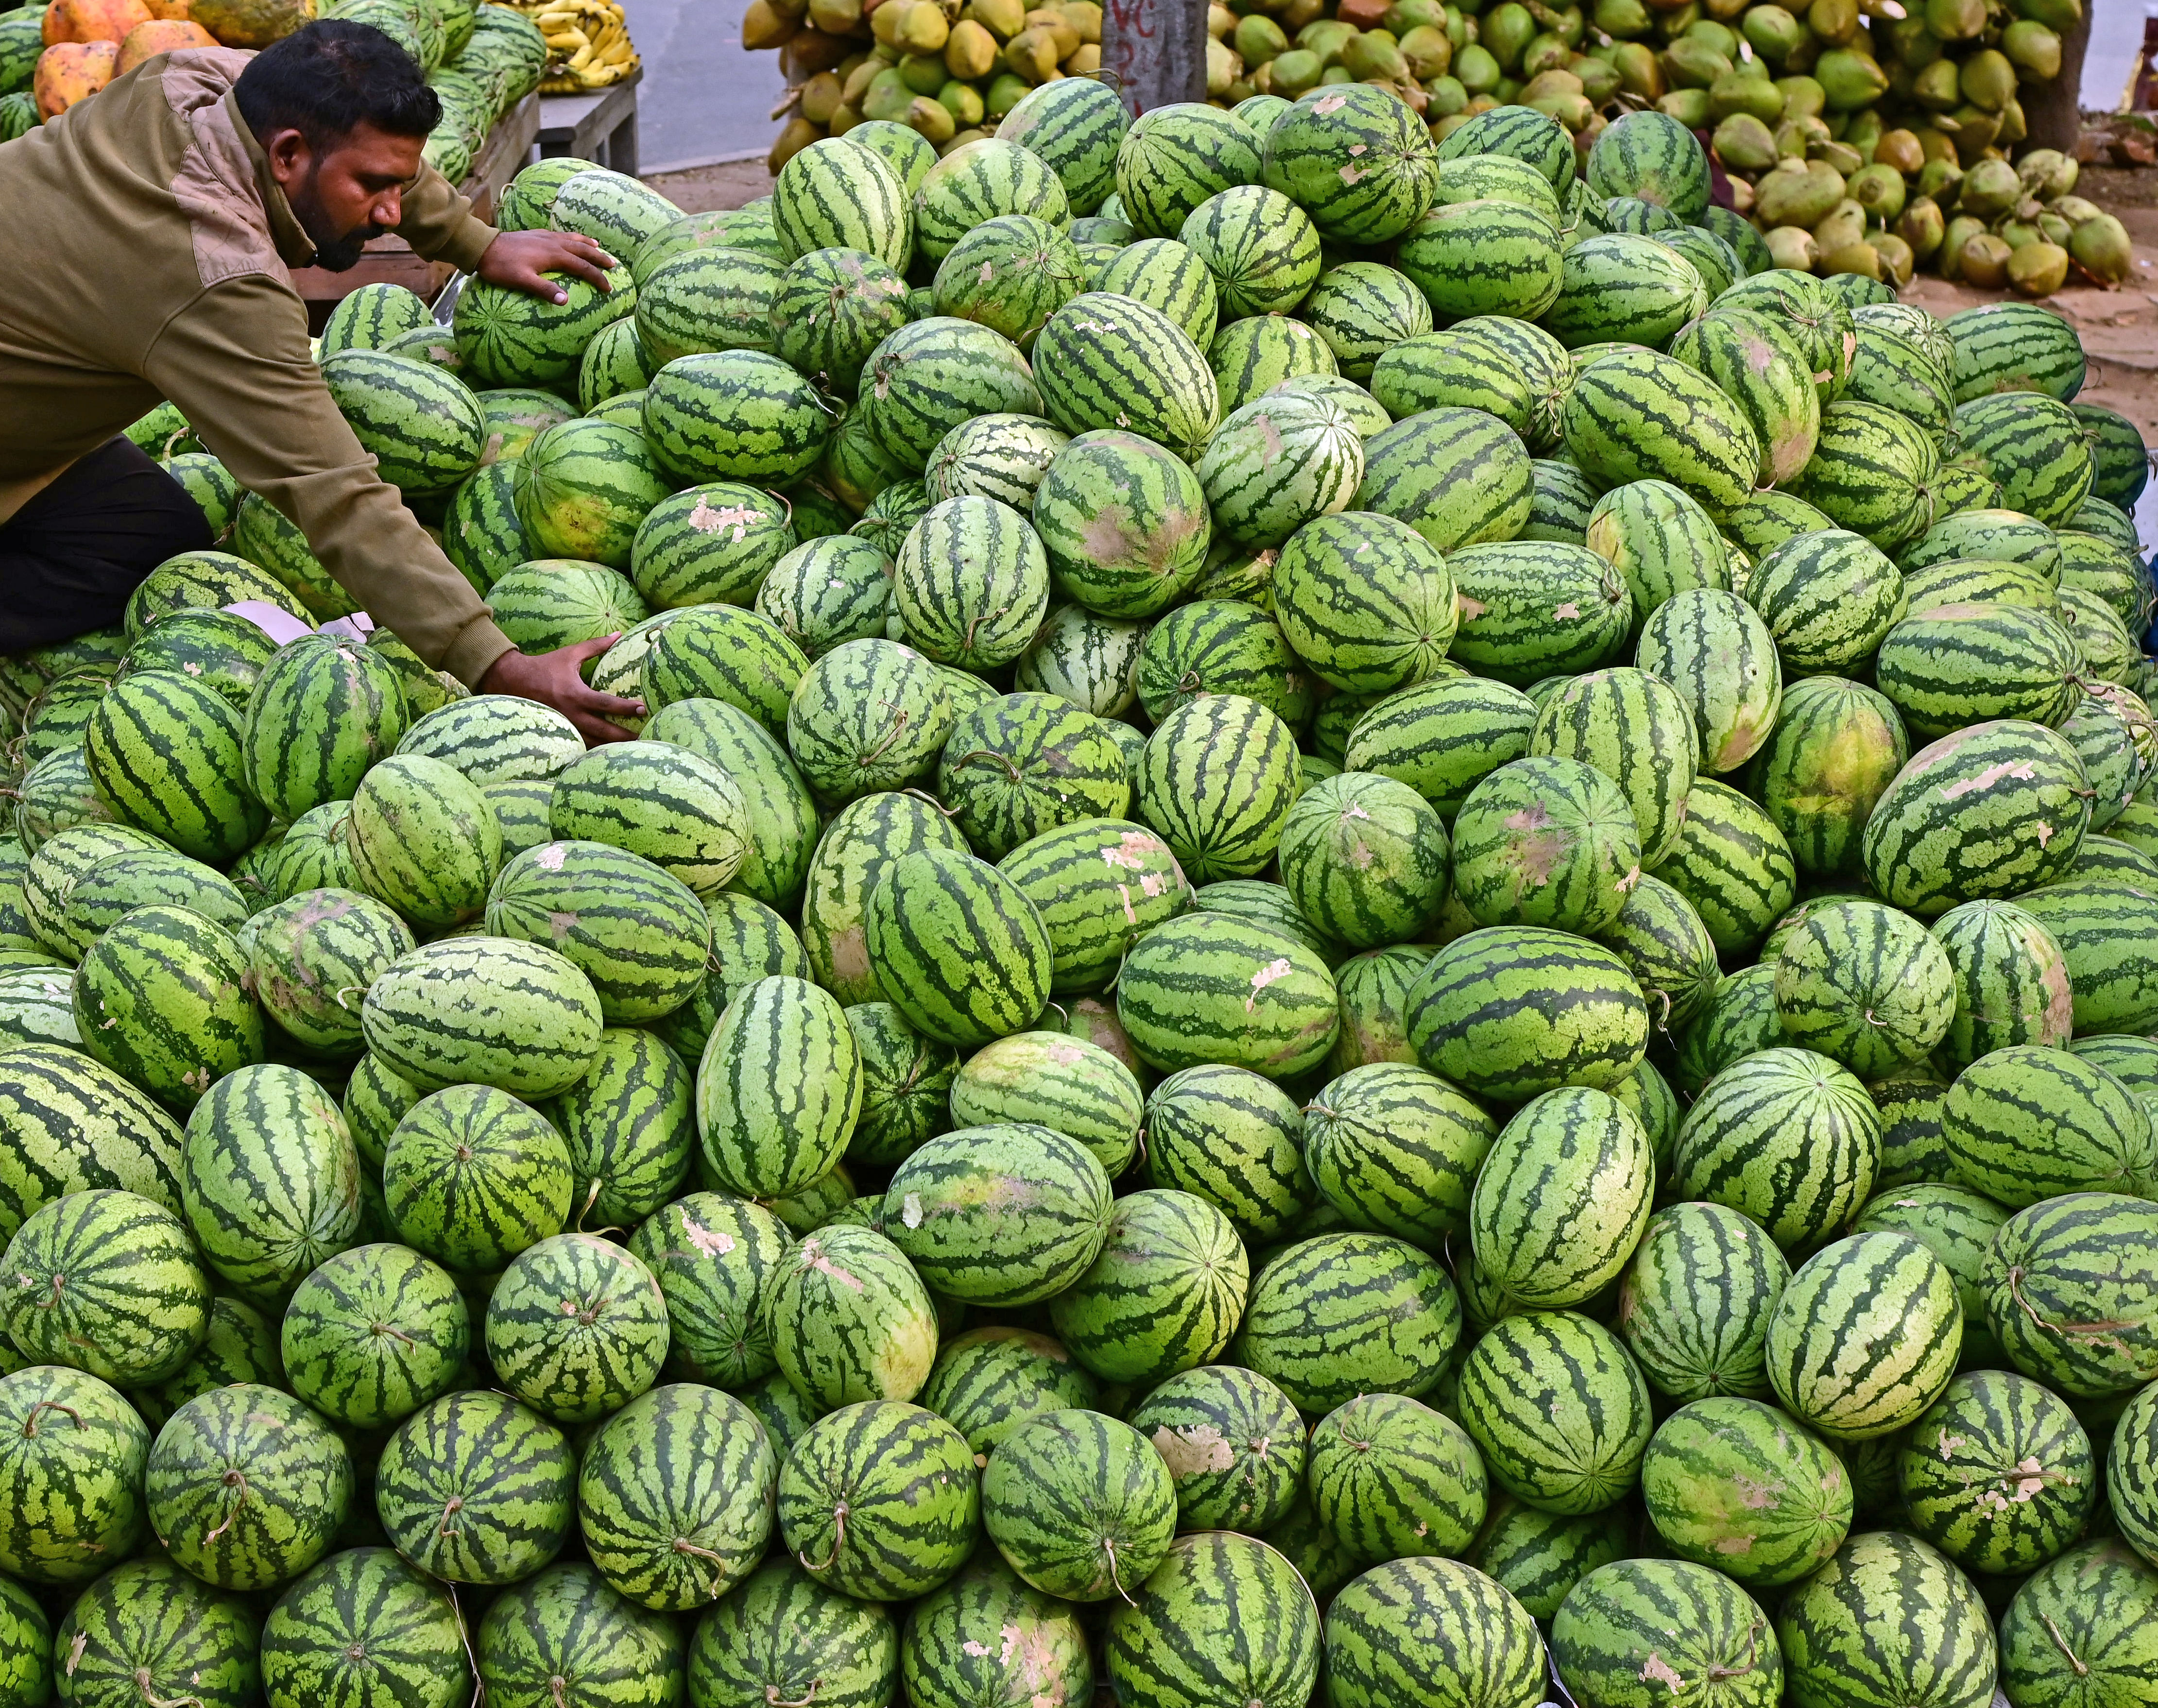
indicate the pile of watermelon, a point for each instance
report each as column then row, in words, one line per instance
column 1361, row 947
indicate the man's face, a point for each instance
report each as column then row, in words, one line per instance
column 350, row 193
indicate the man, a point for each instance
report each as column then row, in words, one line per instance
column 160, row 219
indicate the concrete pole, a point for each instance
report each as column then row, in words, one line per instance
column 1157, row 50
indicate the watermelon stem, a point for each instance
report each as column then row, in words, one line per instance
column 592, row 1197
column 2053, row 1631
column 30, row 1423
column 683, row 1544
column 1011, row 771
column 1109, row 1547
column 233, row 1479
column 839, row 1541
column 897, row 730
column 154, row 1700
column 1753, row 1657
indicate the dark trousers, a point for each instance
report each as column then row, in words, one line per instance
column 69, row 558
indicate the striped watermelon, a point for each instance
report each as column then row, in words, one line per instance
column 576, row 1327
column 2011, row 983
column 1457, row 475
column 2015, row 347
column 971, row 583
column 1367, row 600
column 116, row 887
column 496, row 738
column 162, row 998
column 370, row 316
column 1660, row 539
column 424, row 840
column 270, row 1182
column 1077, row 132
column 1719, row 654
column 1483, row 256
column 1483, row 1013
column 665, row 803
column 1636, row 1620
column 1098, row 886
column 1053, row 1079
column 1955, row 665
column 1001, row 457
column 1936, row 836
column 1365, row 858
column 977, row 181
column 2102, row 926
column 108, row 1282
column 987, row 1381
column 1830, row 599
column 2088, row 1610
column 1276, row 462
column 1696, row 1302
column 708, row 544
column 869, row 714
column 1983, row 1436
column 878, row 1499
column 956, row 945
column 405, row 1629
column 1217, row 780
column 246, row 1487
column 1638, row 730
column 865, row 838
column 927, row 377
column 986, row 1633
column 1395, row 1150
column 957, row 1208
column 1211, row 987
column 778, row 1090
column 1009, row 274
column 1561, row 1198
column 1865, row 985
column 149, row 1628
column 504, row 336
column 828, row 591
column 568, row 1623
column 324, row 711
column 701, row 300
column 1391, row 1478
column 1958, row 1226
column 1443, row 737
column 674, row 1497
column 1106, row 361
column 484, row 1011
column 554, row 602
column 373, row 1334
column 1164, row 1293
column 1911, row 1148
column 1558, row 1408
column 1620, row 286
column 1836, row 746
column 1075, row 1501
column 732, row 414
column 1657, row 933
column 1640, row 416
column 1232, row 1137
column 1531, row 608
column 1544, row 842
column 471, row 1177
column 1735, row 1484
column 1388, row 1627
column 634, row 930
column 630, row 1129
column 1221, row 646
column 1173, row 157
column 849, row 1318
column 1785, row 1136
column 1841, row 1644
column 1343, row 1313
column 1889, row 1287
column 2028, row 1122
column 1732, row 863
column 782, row 1634
column 2060, row 1278
column 165, row 754
column 2032, row 448
column 1362, row 309
column 841, row 197
column 830, row 309
column 713, row 1256
column 73, row 1493
column 422, row 423
column 1261, row 247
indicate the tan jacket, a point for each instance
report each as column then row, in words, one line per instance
column 156, row 247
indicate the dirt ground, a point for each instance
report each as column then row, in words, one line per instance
column 2118, row 328
column 708, row 187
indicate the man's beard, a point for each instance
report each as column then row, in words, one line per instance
column 334, row 252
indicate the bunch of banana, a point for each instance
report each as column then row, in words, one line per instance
column 588, row 44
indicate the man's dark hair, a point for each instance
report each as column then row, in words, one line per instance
column 329, row 77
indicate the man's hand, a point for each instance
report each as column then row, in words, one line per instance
column 556, row 680
column 522, row 260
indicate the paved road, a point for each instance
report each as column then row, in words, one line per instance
column 703, row 97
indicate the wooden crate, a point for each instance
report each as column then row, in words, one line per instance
column 389, row 261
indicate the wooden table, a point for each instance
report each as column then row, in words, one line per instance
column 601, row 127
column 389, row 261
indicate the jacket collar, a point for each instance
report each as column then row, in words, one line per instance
column 294, row 248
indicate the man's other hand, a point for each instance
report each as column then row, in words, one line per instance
column 522, row 260
column 556, row 680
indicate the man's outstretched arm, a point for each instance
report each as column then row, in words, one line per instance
column 236, row 362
